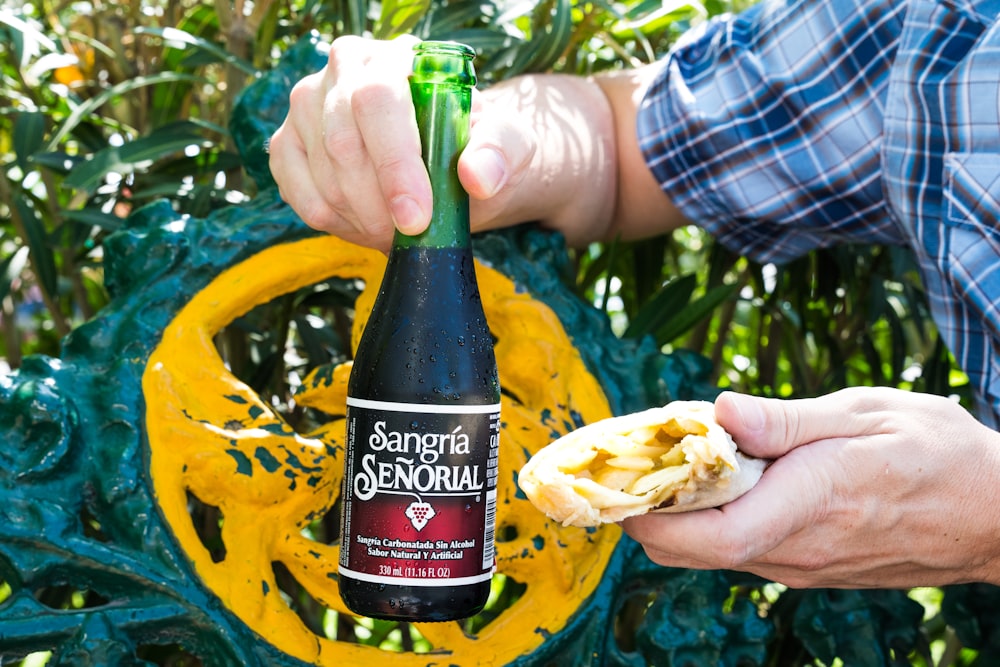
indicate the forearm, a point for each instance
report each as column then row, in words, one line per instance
column 982, row 505
column 641, row 208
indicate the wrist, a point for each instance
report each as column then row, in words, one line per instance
column 981, row 504
column 990, row 571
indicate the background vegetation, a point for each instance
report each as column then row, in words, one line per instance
column 109, row 105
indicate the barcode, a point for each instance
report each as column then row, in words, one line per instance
column 491, row 524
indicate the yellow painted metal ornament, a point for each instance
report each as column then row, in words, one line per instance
column 212, row 437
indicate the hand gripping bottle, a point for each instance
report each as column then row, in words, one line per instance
column 423, row 407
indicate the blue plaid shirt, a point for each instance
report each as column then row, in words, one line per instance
column 804, row 124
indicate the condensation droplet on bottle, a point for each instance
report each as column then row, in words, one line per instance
column 461, row 341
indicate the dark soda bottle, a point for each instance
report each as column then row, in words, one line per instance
column 423, row 407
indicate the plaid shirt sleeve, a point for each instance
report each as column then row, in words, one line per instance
column 765, row 127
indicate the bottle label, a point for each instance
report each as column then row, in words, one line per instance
column 419, row 493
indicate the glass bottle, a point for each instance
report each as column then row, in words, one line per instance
column 423, row 408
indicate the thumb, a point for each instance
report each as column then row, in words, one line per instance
column 499, row 152
column 484, row 170
column 771, row 427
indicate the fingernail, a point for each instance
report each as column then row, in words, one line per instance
column 407, row 214
column 489, row 164
column 750, row 411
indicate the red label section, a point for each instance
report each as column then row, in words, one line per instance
column 419, row 493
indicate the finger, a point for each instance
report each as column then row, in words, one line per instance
column 343, row 169
column 769, row 427
column 306, row 179
column 297, row 180
column 790, row 497
column 289, row 165
column 382, row 107
column 304, row 196
column 288, row 156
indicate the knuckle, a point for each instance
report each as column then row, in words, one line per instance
column 731, row 555
column 374, row 98
column 344, row 48
column 734, row 551
column 317, row 214
column 345, row 145
column 376, row 227
column 301, row 92
column 387, row 167
column 658, row 557
column 305, row 95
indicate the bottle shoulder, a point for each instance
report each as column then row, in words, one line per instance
column 427, row 339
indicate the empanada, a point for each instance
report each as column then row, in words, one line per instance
column 671, row 459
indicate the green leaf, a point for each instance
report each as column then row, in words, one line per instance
column 356, row 16
column 874, row 360
column 59, row 162
column 694, row 313
column 42, row 257
column 545, row 48
column 937, row 370
column 443, row 19
column 29, row 136
column 898, row 343
column 670, row 300
column 27, row 40
column 92, row 43
column 480, row 40
column 399, row 17
column 647, row 264
column 652, row 18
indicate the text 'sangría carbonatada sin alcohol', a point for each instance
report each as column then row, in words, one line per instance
column 423, row 406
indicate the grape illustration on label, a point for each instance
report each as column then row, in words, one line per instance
column 419, row 513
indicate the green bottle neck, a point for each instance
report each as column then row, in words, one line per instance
column 441, row 87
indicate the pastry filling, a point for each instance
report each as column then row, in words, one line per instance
column 648, row 463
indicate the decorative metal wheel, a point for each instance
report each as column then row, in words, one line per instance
column 213, row 438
